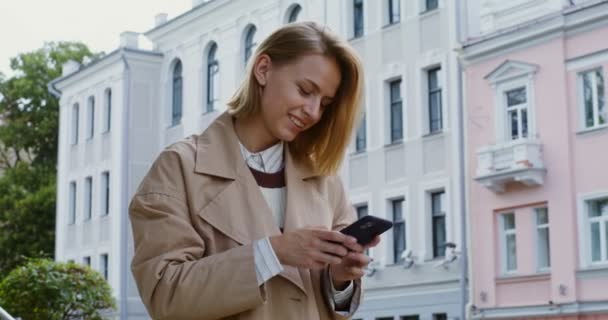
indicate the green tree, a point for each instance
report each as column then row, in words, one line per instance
column 28, row 112
column 46, row 290
column 29, row 119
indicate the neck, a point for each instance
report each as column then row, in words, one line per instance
column 252, row 133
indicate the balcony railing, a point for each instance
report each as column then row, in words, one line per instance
column 515, row 161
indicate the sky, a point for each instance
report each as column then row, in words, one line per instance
column 25, row 25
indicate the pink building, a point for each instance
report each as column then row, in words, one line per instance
column 536, row 124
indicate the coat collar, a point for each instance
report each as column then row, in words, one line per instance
column 245, row 215
column 218, row 153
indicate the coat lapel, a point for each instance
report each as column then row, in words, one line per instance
column 238, row 208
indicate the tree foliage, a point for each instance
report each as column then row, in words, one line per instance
column 29, row 123
column 46, row 290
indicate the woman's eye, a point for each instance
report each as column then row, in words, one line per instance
column 303, row 92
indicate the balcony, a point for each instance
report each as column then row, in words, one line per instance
column 516, row 161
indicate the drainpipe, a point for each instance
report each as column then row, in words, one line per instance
column 464, row 293
column 124, row 265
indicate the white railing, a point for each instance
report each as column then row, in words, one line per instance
column 4, row 315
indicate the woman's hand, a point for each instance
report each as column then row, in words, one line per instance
column 312, row 248
column 352, row 266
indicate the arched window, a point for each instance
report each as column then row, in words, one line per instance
column 107, row 121
column 213, row 70
column 295, row 12
column 176, row 107
column 250, row 43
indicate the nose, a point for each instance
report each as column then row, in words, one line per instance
column 312, row 109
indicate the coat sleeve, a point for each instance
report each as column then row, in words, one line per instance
column 344, row 214
column 174, row 277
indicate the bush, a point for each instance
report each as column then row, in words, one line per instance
column 43, row 289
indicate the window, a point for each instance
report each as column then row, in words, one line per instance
column 597, row 213
column 385, row 318
column 213, row 72
column 90, row 117
column 517, row 113
column 75, row 121
column 396, row 113
column 543, row 250
column 88, row 201
column 293, row 15
column 509, row 246
column 440, row 316
column 176, row 103
column 357, row 18
column 86, row 261
column 108, row 110
column 250, row 43
column 414, row 317
column 103, row 265
column 394, row 11
column 105, row 196
column 72, row 213
column 594, row 98
column 438, row 221
column 434, row 100
column 398, row 230
column 431, row 4
column 362, row 211
column 361, row 139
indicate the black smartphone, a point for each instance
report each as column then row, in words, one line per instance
column 367, row 228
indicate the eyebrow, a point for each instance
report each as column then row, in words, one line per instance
column 316, row 87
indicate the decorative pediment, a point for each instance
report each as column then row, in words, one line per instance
column 509, row 70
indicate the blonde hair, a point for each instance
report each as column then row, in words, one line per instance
column 323, row 146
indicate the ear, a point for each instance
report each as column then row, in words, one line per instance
column 261, row 69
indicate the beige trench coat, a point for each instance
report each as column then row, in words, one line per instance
column 194, row 218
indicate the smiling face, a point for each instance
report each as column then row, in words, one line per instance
column 294, row 95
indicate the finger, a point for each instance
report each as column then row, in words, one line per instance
column 354, row 247
column 335, row 236
column 373, row 243
column 325, row 258
column 332, row 248
column 354, row 259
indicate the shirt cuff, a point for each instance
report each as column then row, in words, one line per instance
column 267, row 264
column 341, row 298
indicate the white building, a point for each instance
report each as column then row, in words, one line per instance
column 118, row 112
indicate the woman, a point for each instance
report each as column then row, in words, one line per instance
column 240, row 222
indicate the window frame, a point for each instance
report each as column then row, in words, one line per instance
column 212, row 85
column 177, row 93
column 595, row 99
column 602, row 221
column 90, row 118
column 393, row 17
column 504, row 250
column 358, row 19
column 72, row 202
column 104, row 265
column 249, row 43
column 396, row 135
column 438, row 215
column 88, row 198
column 75, row 123
column 398, row 223
column 537, row 234
column 294, row 13
column 431, row 92
column 107, row 123
column 105, row 189
column 361, row 135
column 521, row 109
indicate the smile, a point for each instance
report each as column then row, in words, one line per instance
column 297, row 122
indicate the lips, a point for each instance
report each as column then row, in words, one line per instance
column 297, row 122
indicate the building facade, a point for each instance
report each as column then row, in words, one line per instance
column 118, row 113
column 536, row 133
